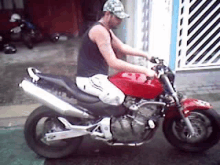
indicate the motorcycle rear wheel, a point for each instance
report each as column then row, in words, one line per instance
column 27, row 40
column 38, row 36
column 43, row 120
column 205, row 126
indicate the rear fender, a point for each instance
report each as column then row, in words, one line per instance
column 188, row 105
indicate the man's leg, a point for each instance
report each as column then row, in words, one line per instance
column 110, row 93
column 86, row 86
column 100, row 86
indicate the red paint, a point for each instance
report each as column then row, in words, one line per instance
column 188, row 106
column 137, row 85
column 60, row 16
column 192, row 104
column 51, row 16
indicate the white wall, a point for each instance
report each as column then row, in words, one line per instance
column 130, row 26
column 125, row 32
column 160, row 28
column 131, row 29
column 138, row 24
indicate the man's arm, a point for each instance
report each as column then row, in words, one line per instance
column 101, row 37
column 126, row 49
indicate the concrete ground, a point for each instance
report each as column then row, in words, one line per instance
column 55, row 58
column 60, row 58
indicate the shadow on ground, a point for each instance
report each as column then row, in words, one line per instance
column 14, row 151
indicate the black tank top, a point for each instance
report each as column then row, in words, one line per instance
column 90, row 60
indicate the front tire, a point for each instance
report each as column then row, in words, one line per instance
column 206, row 127
column 35, row 130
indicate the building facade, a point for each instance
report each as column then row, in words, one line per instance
column 183, row 32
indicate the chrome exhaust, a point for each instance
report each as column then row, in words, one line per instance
column 52, row 101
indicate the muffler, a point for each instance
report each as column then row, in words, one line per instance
column 52, row 101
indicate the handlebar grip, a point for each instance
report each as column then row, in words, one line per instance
column 154, row 60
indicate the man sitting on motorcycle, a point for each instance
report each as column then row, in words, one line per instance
column 100, row 49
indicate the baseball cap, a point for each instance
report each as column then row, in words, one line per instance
column 116, row 7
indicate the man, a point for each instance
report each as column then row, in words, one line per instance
column 99, row 50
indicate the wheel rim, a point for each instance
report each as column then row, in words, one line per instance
column 49, row 125
column 202, row 127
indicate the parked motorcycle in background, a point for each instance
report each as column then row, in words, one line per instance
column 57, row 128
column 25, row 31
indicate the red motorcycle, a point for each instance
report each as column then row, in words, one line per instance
column 57, row 128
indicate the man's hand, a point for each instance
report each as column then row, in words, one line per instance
column 150, row 73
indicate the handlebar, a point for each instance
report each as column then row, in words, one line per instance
column 160, row 68
column 156, row 60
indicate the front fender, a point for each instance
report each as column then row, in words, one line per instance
column 188, row 105
column 191, row 104
column 194, row 104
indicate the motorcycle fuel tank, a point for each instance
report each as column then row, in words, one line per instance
column 137, row 85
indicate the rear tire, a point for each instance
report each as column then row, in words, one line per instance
column 38, row 36
column 38, row 144
column 27, row 40
column 205, row 126
column 55, row 37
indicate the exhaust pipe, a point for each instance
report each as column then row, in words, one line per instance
column 52, row 101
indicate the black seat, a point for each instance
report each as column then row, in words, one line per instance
column 68, row 84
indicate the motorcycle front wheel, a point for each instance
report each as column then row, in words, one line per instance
column 44, row 120
column 207, row 132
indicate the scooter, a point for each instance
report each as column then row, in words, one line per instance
column 56, row 129
column 25, row 31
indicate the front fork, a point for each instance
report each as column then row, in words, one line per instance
column 179, row 106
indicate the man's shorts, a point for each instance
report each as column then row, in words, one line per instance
column 99, row 85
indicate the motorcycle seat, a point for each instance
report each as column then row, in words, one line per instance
column 70, row 86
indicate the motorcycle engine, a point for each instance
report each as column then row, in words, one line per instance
column 133, row 127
